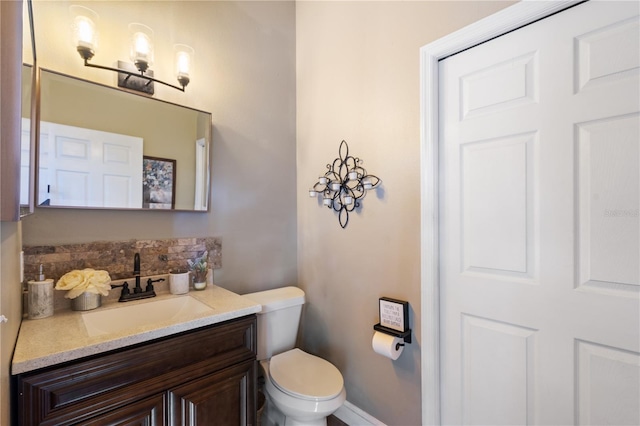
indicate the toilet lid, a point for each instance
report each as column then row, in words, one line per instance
column 305, row 376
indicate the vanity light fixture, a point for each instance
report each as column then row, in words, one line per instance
column 140, row 77
column 344, row 184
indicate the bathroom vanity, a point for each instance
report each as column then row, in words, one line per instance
column 199, row 369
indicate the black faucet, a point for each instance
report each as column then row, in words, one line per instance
column 138, row 293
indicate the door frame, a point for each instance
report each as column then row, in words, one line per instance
column 518, row 15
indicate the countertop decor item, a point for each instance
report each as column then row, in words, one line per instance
column 40, row 296
column 88, row 280
column 199, row 269
column 86, row 302
column 179, row 282
column 344, row 184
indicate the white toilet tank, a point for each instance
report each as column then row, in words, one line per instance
column 278, row 320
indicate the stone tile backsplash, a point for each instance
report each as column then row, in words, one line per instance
column 157, row 257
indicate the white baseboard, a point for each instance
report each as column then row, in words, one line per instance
column 353, row 416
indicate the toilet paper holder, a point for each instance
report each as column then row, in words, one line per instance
column 394, row 319
column 405, row 335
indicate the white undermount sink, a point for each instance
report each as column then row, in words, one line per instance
column 151, row 311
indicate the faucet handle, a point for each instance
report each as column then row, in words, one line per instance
column 150, row 283
column 125, row 288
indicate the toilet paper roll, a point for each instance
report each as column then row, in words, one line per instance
column 387, row 345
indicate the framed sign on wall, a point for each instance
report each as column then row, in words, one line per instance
column 394, row 318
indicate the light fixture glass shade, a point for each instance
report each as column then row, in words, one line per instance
column 84, row 32
column 141, row 46
column 184, row 62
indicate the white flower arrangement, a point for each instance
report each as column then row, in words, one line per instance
column 88, row 280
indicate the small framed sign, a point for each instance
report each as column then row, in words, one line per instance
column 394, row 314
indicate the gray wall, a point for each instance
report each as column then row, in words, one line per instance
column 358, row 79
column 10, row 307
column 245, row 75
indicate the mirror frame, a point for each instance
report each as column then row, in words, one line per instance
column 208, row 134
column 27, row 209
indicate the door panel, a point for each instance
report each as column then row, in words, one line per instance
column 607, row 384
column 608, row 186
column 539, row 224
column 498, row 371
column 497, row 240
column 224, row 398
column 515, row 78
column 608, row 54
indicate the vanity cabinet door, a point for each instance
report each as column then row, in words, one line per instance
column 148, row 412
column 226, row 398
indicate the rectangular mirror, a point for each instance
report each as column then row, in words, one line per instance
column 101, row 147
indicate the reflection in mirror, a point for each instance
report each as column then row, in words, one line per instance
column 102, row 147
column 25, row 140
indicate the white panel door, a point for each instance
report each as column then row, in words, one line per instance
column 539, row 223
column 84, row 167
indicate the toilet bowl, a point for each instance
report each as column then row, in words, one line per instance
column 304, row 388
column 301, row 389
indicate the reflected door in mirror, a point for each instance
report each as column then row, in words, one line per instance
column 89, row 168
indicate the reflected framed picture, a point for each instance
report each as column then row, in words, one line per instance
column 158, row 183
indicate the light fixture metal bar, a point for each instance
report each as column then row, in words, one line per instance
column 132, row 74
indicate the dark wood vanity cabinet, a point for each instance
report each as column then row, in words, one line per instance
column 203, row 377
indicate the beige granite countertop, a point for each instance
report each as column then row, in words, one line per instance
column 63, row 336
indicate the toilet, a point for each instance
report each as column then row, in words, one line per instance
column 302, row 389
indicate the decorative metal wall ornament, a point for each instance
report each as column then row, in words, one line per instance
column 344, row 184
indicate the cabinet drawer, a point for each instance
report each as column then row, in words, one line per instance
column 85, row 388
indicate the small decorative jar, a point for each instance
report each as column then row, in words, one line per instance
column 40, row 299
column 199, row 280
column 199, row 270
column 179, row 282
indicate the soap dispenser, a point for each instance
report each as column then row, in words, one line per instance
column 40, row 296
